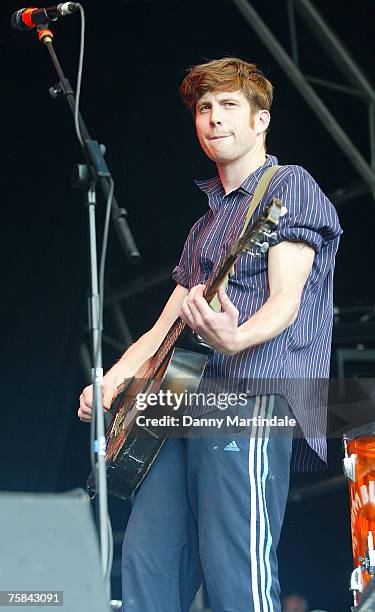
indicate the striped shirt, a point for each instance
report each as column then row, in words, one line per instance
column 295, row 363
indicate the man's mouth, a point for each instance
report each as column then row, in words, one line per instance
column 218, row 137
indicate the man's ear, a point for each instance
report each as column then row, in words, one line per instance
column 262, row 121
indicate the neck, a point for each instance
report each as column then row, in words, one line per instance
column 232, row 174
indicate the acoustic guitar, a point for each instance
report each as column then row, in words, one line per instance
column 132, row 445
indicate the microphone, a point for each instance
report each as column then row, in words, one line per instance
column 29, row 18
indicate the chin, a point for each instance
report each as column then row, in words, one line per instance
column 219, row 156
column 223, row 159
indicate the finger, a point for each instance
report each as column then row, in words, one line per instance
column 108, row 397
column 185, row 310
column 86, row 397
column 193, row 314
column 195, row 293
column 186, row 314
column 226, row 304
column 85, row 417
column 202, row 312
column 85, row 408
column 186, row 306
column 196, row 290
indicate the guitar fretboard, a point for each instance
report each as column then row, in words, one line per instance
column 166, row 347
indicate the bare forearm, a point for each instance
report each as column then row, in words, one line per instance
column 135, row 357
column 276, row 314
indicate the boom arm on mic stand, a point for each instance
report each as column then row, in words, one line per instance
column 94, row 157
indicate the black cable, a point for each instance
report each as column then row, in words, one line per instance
column 79, row 75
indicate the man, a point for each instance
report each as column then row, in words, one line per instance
column 213, row 507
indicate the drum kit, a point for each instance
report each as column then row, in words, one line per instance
column 359, row 469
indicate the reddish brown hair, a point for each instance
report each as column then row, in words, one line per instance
column 227, row 74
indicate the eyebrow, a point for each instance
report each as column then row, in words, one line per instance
column 205, row 102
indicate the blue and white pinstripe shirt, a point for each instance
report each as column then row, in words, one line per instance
column 296, row 361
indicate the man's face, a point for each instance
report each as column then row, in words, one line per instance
column 226, row 128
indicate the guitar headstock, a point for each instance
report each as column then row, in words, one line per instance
column 254, row 238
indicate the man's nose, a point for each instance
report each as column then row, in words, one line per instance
column 215, row 116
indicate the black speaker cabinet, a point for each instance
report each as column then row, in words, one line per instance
column 48, row 544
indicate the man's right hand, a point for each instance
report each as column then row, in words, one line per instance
column 135, row 357
column 86, row 398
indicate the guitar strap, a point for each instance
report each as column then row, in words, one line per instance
column 255, row 201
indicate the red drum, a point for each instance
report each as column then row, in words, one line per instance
column 359, row 468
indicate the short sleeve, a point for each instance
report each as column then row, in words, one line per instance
column 179, row 274
column 310, row 216
column 183, row 272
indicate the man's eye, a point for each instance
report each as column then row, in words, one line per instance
column 229, row 104
column 204, row 108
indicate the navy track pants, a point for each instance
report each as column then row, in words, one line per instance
column 211, row 507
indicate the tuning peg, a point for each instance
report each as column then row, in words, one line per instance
column 263, row 246
column 269, row 234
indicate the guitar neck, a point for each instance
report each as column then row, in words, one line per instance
column 216, row 279
column 179, row 325
column 212, row 286
column 166, row 346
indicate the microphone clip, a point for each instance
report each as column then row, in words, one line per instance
column 45, row 35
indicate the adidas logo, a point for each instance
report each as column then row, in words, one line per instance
column 232, row 446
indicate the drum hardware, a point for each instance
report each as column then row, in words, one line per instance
column 368, row 562
column 349, row 463
column 356, row 584
column 359, row 469
column 367, row 603
column 371, row 553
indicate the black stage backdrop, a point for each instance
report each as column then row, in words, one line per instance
column 136, row 54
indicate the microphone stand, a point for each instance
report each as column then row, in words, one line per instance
column 86, row 178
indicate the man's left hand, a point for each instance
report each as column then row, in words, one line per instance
column 218, row 329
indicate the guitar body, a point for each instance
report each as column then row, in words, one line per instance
column 132, row 449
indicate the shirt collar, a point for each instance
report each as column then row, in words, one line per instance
column 213, row 187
